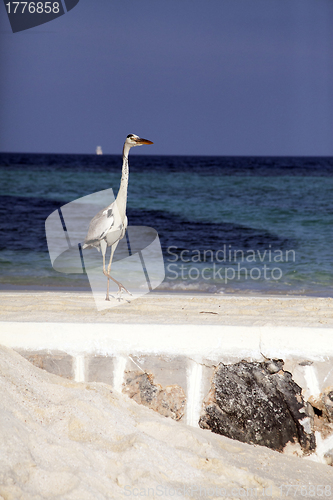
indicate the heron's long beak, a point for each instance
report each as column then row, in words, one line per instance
column 143, row 141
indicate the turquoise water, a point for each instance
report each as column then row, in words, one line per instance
column 226, row 225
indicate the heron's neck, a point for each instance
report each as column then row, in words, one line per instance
column 122, row 193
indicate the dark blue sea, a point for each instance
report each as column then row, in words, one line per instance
column 259, row 225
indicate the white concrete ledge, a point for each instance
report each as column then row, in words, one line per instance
column 199, row 342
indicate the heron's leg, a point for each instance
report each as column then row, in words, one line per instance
column 111, row 257
column 109, row 267
column 107, row 274
column 104, row 271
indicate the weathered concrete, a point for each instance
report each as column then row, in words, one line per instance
column 167, row 370
column 58, row 363
column 183, row 355
column 176, row 387
column 100, row 369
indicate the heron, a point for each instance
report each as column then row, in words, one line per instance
column 108, row 227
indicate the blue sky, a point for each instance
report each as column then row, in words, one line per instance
column 206, row 77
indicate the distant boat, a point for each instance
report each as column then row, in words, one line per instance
column 99, row 150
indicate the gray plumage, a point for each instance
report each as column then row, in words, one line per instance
column 102, row 226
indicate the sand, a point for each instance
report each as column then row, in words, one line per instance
column 77, row 441
column 169, row 309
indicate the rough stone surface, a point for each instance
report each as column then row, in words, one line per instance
column 169, row 401
column 327, row 403
column 329, row 457
column 323, row 406
column 323, row 418
column 258, row 403
column 57, row 363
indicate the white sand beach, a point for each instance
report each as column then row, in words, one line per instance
column 169, row 309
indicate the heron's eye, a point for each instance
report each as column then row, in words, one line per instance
column 129, row 136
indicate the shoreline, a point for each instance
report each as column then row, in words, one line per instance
column 163, row 289
column 8, row 287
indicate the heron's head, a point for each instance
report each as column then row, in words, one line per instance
column 134, row 140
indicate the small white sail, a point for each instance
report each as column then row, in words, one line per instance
column 99, row 150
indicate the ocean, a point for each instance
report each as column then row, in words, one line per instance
column 228, row 225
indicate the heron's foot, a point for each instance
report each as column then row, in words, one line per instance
column 107, row 298
column 119, row 296
column 120, row 285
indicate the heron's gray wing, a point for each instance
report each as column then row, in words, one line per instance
column 100, row 225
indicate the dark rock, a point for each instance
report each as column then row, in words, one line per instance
column 258, row 403
column 169, row 401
